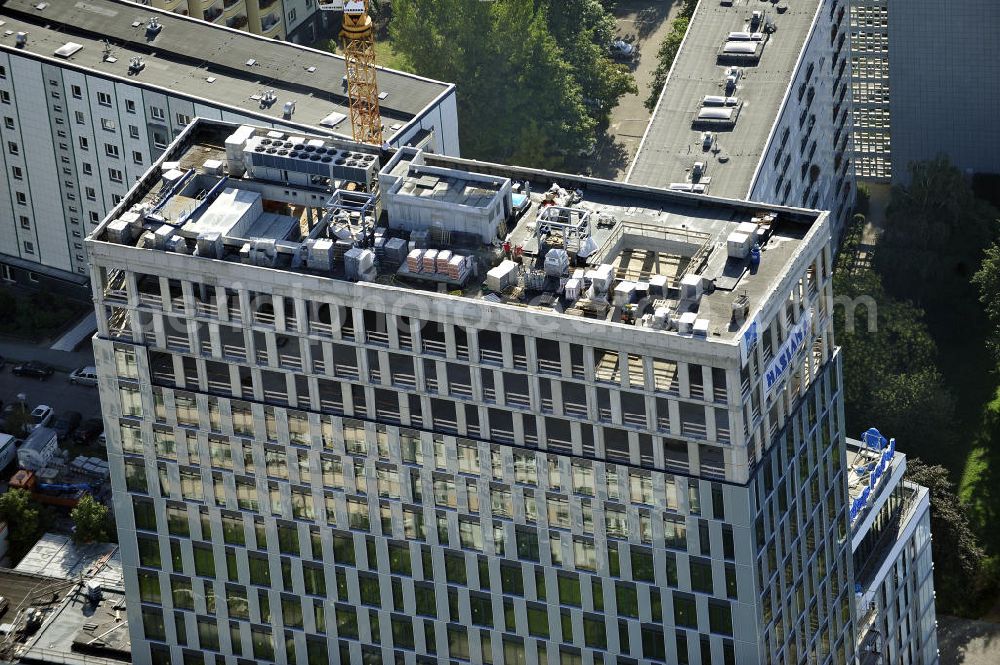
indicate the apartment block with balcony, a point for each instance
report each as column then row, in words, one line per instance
column 421, row 417
column 298, row 21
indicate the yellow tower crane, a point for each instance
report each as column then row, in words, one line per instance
column 357, row 35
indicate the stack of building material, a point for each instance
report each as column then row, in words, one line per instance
column 443, row 257
column 394, row 250
column 556, row 262
column 458, row 268
column 430, row 260
column 502, row 276
column 415, row 260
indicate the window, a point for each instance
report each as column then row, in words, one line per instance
column 115, row 175
column 25, row 222
column 137, row 157
column 88, row 169
column 84, row 143
column 133, row 131
column 104, row 99
column 4, row 97
column 183, row 119
column 29, row 247
column 76, row 91
column 159, row 139
column 130, row 105
column 3, row 72
column 156, row 113
column 13, row 148
column 111, row 150
column 91, row 193
column 6, row 273
column 17, row 172
column 8, row 122
column 108, row 125
column 94, row 217
column 291, row 16
column 21, row 198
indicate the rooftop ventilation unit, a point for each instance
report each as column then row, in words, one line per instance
column 746, row 37
column 267, row 99
column 135, row 65
column 277, row 159
column 209, row 245
column 743, row 47
column 21, row 39
column 741, row 309
column 719, row 100
column 288, row 109
column 68, row 49
column 153, row 27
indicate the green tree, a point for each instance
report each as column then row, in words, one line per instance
column 889, row 360
column 665, row 59
column 935, row 233
column 987, row 280
column 584, row 31
column 515, row 85
column 961, row 573
column 90, row 519
column 21, row 514
column 667, row 52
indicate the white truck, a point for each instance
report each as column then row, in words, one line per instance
column 38, row 449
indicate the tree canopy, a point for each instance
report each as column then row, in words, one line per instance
column 987, row 280
column 21, row 514
column 890, row 374
column 526, row 72
column 668, row 51
column 935, row 233
column 90, row 519
column 957, row 553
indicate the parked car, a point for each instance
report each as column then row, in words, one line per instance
column 89, row 430
column 622, row 51
column 66, row 423
column 34, row 369
column 84, row 376
column 41, row 415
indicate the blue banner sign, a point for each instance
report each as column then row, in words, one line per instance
column 796, row 340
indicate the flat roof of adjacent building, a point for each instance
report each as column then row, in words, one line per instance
column 56, row 555
column 639, row 236
column 186, row 52
column 673, row 141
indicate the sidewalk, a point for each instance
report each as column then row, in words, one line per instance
column 16, row 351
column 76, row 335
column 968, row 642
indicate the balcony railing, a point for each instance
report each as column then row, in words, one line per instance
column 269, row 22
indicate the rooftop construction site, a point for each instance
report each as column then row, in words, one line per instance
column 671, row 261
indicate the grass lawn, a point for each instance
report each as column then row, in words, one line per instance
column 36, row 315
column 979, row 488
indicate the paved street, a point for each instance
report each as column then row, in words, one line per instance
column 56, row 391
column 630, row 118
column 968, row 642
